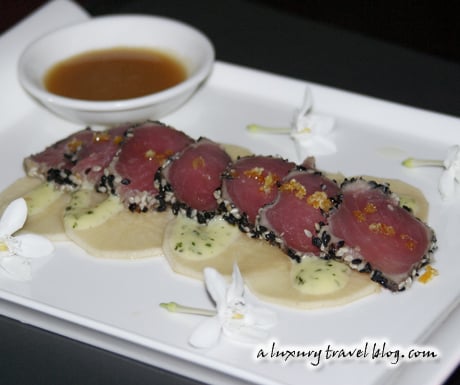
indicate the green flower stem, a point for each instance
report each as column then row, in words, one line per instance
column 412, row 162
column 174, row 307
column 256, row 128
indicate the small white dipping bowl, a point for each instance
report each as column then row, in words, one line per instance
column 185, row 43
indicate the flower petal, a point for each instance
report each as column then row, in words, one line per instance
column 453, row 156
column 236, row 288
column 315, row 124
column 17, row 267
column 314, row 144
column 33, row 246
column 216, row 285
column 299, row 115
column 447, row 183
column 13, row 217
column 207, row 333
column 243, row 332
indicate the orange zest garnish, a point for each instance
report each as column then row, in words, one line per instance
column 429, row 273
column 267, row 182
column 233, row 174
column 359, row 215
column 254, row 173
column 101, row 137
column 295, row 187
column 118, row 139
column 409, row 241
column 74, row 145
column 319, row 200
column 198, row 162
column 370, row 208
column 382, row 228
column 160, row 157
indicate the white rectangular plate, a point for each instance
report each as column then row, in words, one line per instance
column 114, row 304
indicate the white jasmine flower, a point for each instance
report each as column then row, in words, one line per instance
column 311, row 132
column 451, row 174
column 17, row 251
column 450, row 177
column 233, row 316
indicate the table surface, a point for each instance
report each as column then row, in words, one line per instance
column 279, row 37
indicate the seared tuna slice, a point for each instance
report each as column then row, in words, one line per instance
column 373, row 233
column 249, row 184
column 189, row 180
column 80, row 158
column 97, row 154
column 131, row 173
column 292, row 221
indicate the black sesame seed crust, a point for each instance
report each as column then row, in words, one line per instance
column 235, row 217
column 62, row 178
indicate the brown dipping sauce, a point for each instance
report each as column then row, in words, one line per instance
column 113, row 74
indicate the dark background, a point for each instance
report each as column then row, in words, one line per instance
column 426, row 26
column 404, row 51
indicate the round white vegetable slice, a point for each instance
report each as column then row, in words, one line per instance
column 101, row 226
